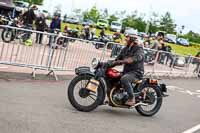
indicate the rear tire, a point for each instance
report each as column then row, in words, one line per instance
column 73, row 101
column 158, row 104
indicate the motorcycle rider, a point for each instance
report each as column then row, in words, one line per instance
column 132, row 57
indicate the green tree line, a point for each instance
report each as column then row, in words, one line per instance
column 38, row 2
column 137, row 21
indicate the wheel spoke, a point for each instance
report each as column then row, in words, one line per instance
column 92, row 98
column 84, row 101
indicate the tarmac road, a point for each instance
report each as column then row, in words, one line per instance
column 43, row 107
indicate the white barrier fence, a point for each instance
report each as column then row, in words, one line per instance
column 56, row 52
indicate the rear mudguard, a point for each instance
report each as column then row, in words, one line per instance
column 161, row 87
column 87, row 71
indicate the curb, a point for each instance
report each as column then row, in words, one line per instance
column 27, row 76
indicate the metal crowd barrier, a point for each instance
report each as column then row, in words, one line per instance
column 56, row 52
column 165, row 64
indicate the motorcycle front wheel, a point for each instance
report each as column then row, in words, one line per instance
column 81, row 98
column 153, row 98
column 7, row 35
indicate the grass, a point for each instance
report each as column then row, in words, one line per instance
column 182, row 50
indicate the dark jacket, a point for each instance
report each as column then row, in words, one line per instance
column 102, row 34
column 40, row 24
column 29, row 17
column 137, row 54
column 55, row 24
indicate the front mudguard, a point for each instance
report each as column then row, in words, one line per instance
column 163, row 90
column 87, row 71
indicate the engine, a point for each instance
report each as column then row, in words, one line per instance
column 120, row 98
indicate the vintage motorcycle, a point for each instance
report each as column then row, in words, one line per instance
column 89, row 89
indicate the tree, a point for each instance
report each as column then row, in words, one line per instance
column 167, row 23
column 154, row 23
column 135, row 22
column 192, row 36
column 112, row 18
column 93, row 14
column 38, row 2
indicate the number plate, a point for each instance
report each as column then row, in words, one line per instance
column 93, row 85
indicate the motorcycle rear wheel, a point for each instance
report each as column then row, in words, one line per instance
column 158, row 99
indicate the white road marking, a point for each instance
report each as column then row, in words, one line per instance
column 175, row 88
column 193, row 129
column 184, row 91
column 189, row 92
column 171, row 88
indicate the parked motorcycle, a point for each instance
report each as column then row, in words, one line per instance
column 10, row 34
column 62, row 39
column 73, row 33
column 101, row 42
column 89, row 89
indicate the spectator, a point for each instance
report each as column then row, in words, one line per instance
column 169, row 56
column 40, row 26
column 102, row 33
column 65, row 29
column 147, row 42
column 93, row 32
column 117, row 37
column 29, row 16
column 156, row 43
column 87, row 32
column 55, row 24
column 162, row 55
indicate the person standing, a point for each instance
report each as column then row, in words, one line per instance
column 29, row 16
column 87, row 32
column 93, row 32
column 55, row 25
column 156, row 43
column 28, row 19
column 40, row 26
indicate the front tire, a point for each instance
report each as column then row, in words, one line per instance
column 7, row 35
column 158, row 100
column 72, row 99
